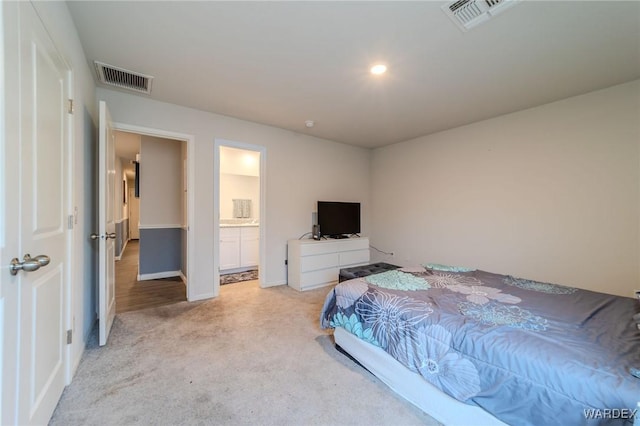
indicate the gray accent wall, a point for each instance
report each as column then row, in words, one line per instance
column 160, row 250
column 119, row 240
column 122, row 235
column 183, row 263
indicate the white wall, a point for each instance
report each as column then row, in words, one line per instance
column 161, row 194
column 60, row 26
column 239, row 187
column 300, row 170
column 550, row 193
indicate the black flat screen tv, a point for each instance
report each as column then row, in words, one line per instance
column 338, row 219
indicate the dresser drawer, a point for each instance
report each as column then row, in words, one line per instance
column 321, row 261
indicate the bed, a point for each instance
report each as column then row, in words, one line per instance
column 474, row 347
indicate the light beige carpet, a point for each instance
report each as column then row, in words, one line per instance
column 251, row 356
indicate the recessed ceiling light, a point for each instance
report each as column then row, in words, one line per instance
column 248, row 159
column 378, row 69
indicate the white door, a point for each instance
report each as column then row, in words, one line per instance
column 106, row 225
column 134, row 215
column 34, row 209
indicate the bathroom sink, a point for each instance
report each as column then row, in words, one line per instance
column 235, row 223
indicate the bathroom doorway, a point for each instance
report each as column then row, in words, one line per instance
column 239, row 220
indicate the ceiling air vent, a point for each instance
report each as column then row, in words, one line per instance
column 124, row 79
column 469, row 13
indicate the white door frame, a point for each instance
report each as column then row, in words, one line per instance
column 262, row 267
column 189, row 140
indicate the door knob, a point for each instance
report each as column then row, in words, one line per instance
column 95, row 236
column 29, row 264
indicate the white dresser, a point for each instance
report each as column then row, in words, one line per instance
column 314, row 264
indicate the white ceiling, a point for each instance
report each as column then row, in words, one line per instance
column 281, row 63
column 127, row 146
column 239, row 161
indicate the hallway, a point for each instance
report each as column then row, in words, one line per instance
column 132, row 295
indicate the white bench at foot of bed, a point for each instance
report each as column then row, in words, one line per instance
column 412, row 386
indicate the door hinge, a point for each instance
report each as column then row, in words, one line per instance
column 70, row 110
column 69, row 337
column 70, row 222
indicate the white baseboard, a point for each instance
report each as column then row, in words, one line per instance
column 124, row 246
column 159, row 275
column 183, row 278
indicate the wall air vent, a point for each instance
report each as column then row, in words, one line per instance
column 469, row 13
column 123, row 79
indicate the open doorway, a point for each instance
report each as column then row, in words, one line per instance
column 239, row 219
column 151, row 221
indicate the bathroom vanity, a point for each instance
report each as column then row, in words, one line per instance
column 239, row 246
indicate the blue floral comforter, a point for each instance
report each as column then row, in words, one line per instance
column 528, row 352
